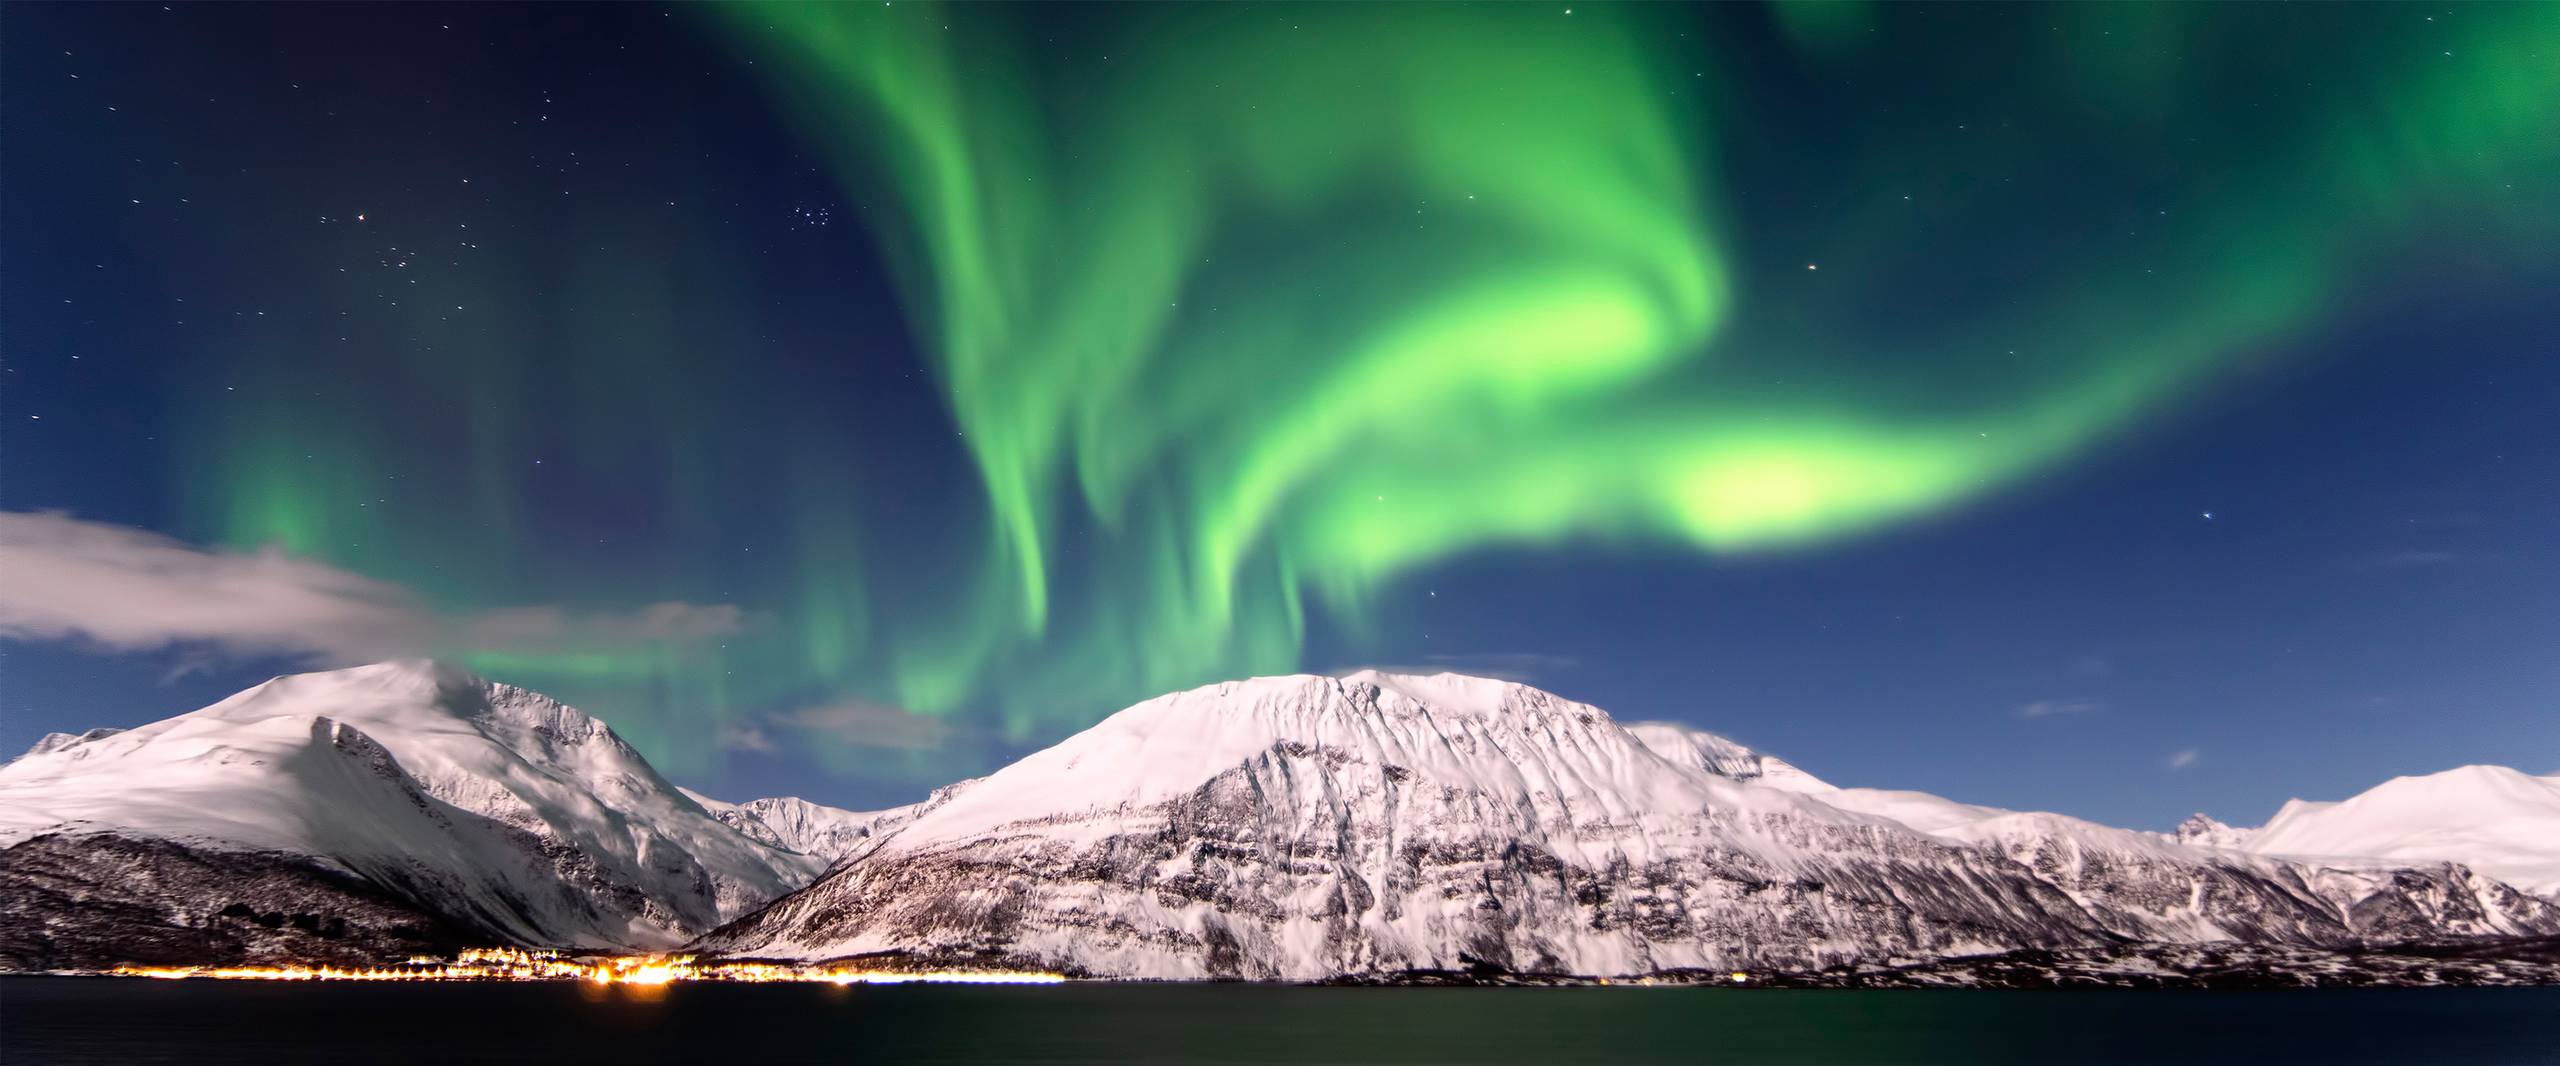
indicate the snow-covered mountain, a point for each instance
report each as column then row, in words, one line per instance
column 1290, row 827
column 2501, row 822
column 789, row 822
column 1314, row 827
column 429, row 800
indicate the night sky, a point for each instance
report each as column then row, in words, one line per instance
column 2120, row 410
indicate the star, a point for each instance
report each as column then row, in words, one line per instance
column 2208, row 516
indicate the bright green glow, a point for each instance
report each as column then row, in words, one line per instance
column 1245, row 313
column 1313, row 296
column 1205, row 307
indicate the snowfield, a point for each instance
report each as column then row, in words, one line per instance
column 2498, row 821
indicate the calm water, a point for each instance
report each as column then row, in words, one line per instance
column 46, row 1020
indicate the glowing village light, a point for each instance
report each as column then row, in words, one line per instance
column 647, row 971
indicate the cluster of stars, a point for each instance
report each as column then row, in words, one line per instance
column 806, row 217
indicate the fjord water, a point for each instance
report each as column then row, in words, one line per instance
column 77, row 1020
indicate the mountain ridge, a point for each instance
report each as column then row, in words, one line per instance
column 1289, row 828
column 1306, row 827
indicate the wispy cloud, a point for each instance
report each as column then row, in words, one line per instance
column 541, row 627
column 749, row 738
column 1521, row 666
column 862, row 724
column 2183, row 758
column 123, row 589
column 2052, row 708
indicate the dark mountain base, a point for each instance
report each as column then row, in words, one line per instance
column 954, row 961
column 102, row 901
column 2531, row 961
column 2476, row 963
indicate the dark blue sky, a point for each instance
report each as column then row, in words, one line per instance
column 615, row 322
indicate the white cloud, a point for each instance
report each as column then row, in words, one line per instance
column 2183, row 758
column 123, row 589
column 2051, row 708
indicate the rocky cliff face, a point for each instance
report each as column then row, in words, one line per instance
column 102, row 900
column 1307, row 827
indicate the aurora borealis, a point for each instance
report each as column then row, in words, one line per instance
column 1004, row 365
column 1455, row 279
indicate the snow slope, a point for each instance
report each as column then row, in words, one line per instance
column 1312, row 827
column 2499, row 821
column 497, row 807
column 1724, row 758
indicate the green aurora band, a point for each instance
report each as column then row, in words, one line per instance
column 1245, row 313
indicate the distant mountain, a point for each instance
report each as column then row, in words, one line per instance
column 2154, row 889
column 1315, row 828
column 357, row 812
column 2499, row 821
column 2203, row 831
column 813, row 829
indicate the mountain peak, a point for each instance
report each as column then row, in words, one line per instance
column 1502, row 737
column 416, row 670
column 2203, row 830
column 422, row 679
column 2470, row 777
column 53, row 742
column 1445, row 690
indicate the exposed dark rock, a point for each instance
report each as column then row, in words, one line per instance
column 99, row 901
